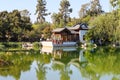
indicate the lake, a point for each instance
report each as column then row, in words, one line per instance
column 60, row 63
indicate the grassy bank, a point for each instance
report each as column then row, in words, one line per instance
column 16, row 45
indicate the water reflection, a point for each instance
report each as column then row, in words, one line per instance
column 56, row 52
column 61, row 63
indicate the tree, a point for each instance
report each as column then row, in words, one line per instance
column 13, row 25
column 83, row 10
column 93, row 9
column 40, row 31
column 4, row 25
column 41, row 11
column 62, row 18
column 116, row 7
column 104, row 28
column 57, row 19
column 115, row 3
column 26, row 24
column 65, row 10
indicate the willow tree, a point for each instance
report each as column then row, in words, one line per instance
column 41, row 11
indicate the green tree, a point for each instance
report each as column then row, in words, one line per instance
column 40, row 30
column 65, row 10
column 116, row 9
column 83, row 10
column 13, row 25
column 57, row 19
column 104, row 28
column 61, row 18
column 115, row 3
column 19, row 24
column 4, row 25
column 93, row 9
column 41, row 11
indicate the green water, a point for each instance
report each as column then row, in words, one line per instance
column 60, row 64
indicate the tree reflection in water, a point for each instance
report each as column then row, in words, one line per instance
column 104, row 61
column 21, row 63
column 90, row 65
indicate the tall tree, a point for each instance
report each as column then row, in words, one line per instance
column 65, row 10
column 93, row 9
column 57, row 19
column 83, row 10
column 115, row 3
column 41, row 11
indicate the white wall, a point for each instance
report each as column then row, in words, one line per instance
column 81, row 34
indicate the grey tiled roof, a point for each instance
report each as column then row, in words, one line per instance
column 58, row 29
column 71, row 29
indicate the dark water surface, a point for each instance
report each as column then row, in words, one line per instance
column 67, row 63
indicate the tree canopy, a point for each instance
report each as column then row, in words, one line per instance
column 61, row 18
column 13, row 25
column 41, row 10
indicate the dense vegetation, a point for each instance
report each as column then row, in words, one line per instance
column 17, row 26
column 106, row 27
column 97, row 63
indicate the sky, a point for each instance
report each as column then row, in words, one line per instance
column 52, row 6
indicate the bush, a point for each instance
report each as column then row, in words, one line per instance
column 11, row 44
column 36, row 45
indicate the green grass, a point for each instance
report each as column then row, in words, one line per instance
column 4, row 46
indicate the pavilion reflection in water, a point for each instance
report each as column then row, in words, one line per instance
column 58, row 51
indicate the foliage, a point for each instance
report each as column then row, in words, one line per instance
column 101, row 56
column 11, row 44
column 99, row 63
column 41, row 11
column 93, row 9
column 40, row 31
column 61, row 18
column 104, row 27
column 115, row 3
column 16, row 25
column 65, row 11
column 13, row 25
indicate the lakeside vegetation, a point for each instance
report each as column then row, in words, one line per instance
column 17, row 46
column 16, row 26
column 98, row 62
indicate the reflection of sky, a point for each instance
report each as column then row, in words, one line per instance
column 52, row 75
column 109, row 77
column 76, row 75
column 6, row 78
column 106, row 77
column 31, row 74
